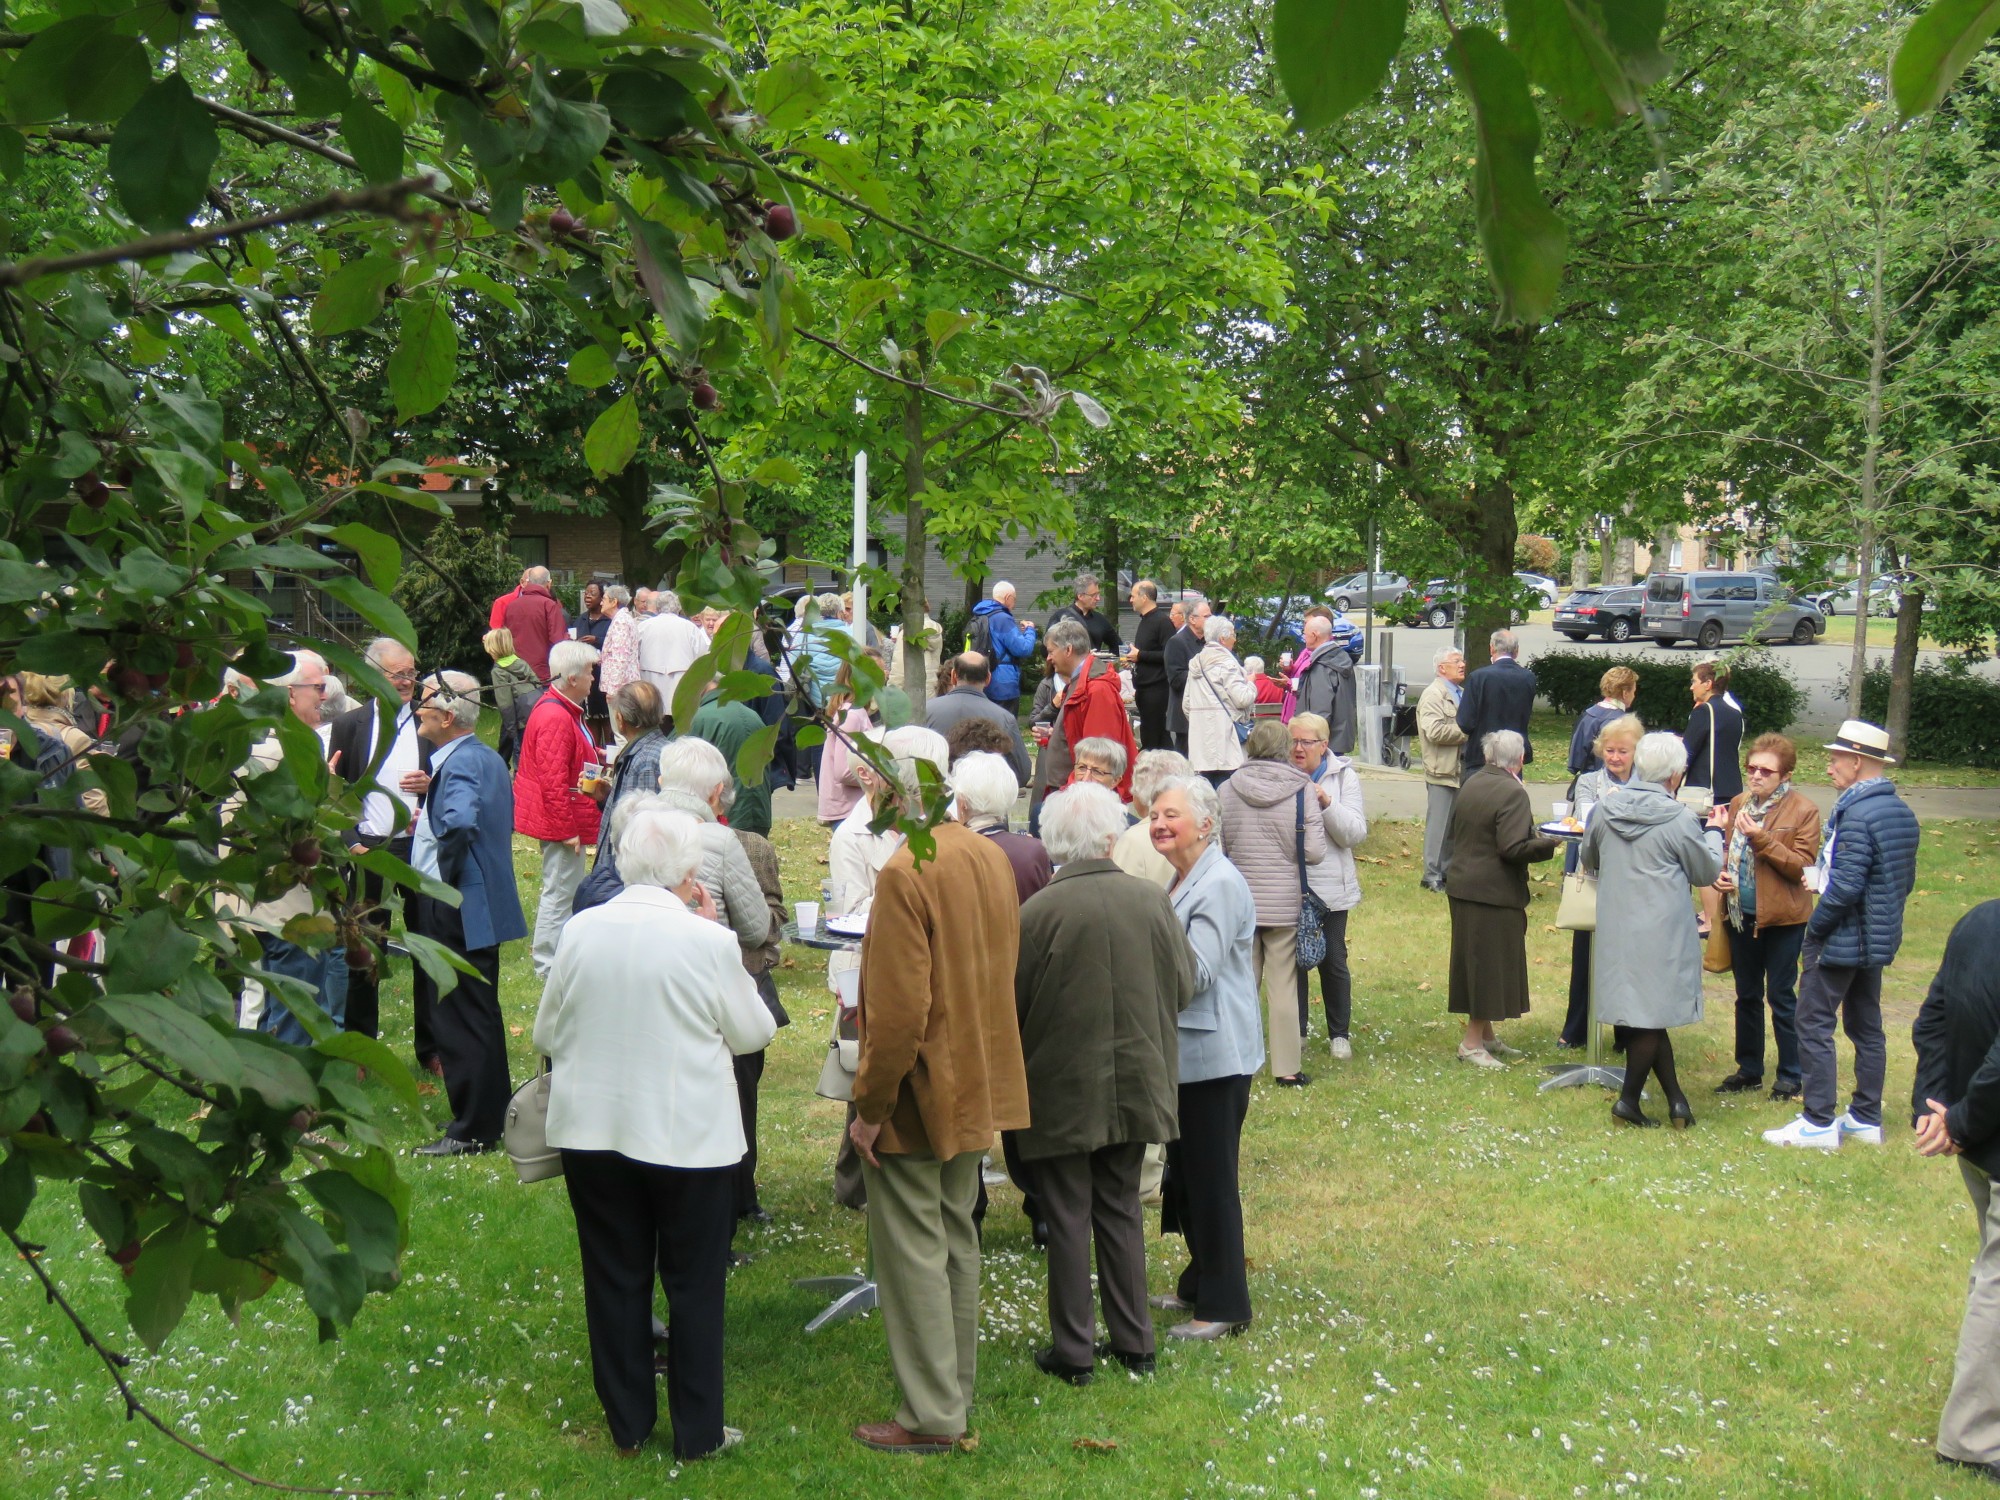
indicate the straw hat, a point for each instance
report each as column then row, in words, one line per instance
column 1859, row 737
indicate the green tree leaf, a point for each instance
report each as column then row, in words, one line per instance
column 150, row 953
column 352, row 296
column 17, row 1188
column 161, row 153
column 1934, row 51
column 1567, row 54
column 564, row 138
column 847, row 169
column 157, row 1293
column 383, row 1066
column 613, row 438
column 1333, row 54
column 173, row 1030
column 652, row 104
column 81, row 69
column 590, row 367
column 756, row 755
column 789, row 91
column 273, row 32
column 426, row 358
column 380, row 555
column 659, row 258
column 374, row 140
column 380, row 611
column 367, row 1220
column 942, row 325
column 1524, row 241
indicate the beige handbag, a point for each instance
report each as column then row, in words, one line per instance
column 1578, row 911
column 526, row 1133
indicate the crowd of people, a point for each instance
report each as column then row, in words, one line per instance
column 1097, row 991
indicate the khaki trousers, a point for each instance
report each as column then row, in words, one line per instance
column 1278, row 975
column 1969, row 1430
column 927, row 1280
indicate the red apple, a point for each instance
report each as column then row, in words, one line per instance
column 781, row 223
column 705, row 396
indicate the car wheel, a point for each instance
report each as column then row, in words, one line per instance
column 1803, row 633
column 1439, row 617
column 1618, row 630
column 1710, row 635
column 1577, row 635
column 1342, row 604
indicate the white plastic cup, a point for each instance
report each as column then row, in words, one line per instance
column 808, row 915
column 1558, row 810
column 1584, row 810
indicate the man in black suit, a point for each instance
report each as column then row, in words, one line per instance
column 1148, row 661
column 360, row 738
column 1183, row 647
column 1501, row 696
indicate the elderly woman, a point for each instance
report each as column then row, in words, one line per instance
column 1337, row 787
column 1221, row 1049
column 1774, row 834
column 1134, row 852
column 1647, row 850
column 641, row 1100
column 548, row 807
column 1103, row 975
column 1269, row 689
column 1493, row 843
column 1218, row 698
column 1267, row 834
column 985, row 791
column 1619, row 686
column 1611, row 751
column 1100, row 760
column 839, row 782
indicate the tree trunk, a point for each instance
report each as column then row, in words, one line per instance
column 1625, row 564
column 1114, row 595
column 915, row 547
column 643, row 559
column 1491, row 569
column 1579, row 566
column 1903, row 671
column 1857, row 662
column 975, row 590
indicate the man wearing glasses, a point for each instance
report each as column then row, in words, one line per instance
column 361, row 738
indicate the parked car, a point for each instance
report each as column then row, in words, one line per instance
column 1885, row 597
column 1710, row 608
column 1613, row 612
column 1352, row 592
column 1544, row 588
column 1435, row 604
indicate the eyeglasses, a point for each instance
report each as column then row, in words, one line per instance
column 408, row 675
column 1097, row 773
column 310, row 687
column 1315, row 740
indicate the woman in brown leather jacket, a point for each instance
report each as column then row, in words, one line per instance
column 1773, row 837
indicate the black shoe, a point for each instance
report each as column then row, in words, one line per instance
column 1047, row 1363
column 451, row 1145
column 1138, row 1364
column 1678, row 1114
column 1041, row 1235
column 1294, row 1080
column 1788, row 1090
column 1568, row 1046
column 755, row 1216
column 1991, row 1471
column 1739, row 1083
column 1630, row 1114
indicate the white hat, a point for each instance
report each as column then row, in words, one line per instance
column 1859, row 737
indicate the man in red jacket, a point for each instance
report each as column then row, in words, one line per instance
column 1093, row 703
column 497, row 616
column 537, row 620
column 555, row 748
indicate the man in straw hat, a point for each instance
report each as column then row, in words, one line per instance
column 1866, row 866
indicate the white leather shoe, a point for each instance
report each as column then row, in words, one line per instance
column 1852, row 1129
column 1802, row 1132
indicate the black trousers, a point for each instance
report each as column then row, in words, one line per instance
column 1095, row 1195
column 466, row 1029
column 364, row 981
column 749, row 1072
column 1336, row 985
column 1206, row 1197
column 1152, row 704
column 1576, row 1022
column 1022, row 1174
column 635, row 1220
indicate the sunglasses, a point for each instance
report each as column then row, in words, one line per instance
column 1764, row 771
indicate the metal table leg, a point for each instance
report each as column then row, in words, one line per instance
column 1592, row 1069
column 852, row 1295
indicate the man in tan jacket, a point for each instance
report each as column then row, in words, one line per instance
column 940, row 1071
column 1439, row 737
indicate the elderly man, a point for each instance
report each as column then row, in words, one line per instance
column 1147, row 657
column 1082, row 608
column 549, row 804
column 1500, row 696
column 1323, row 681
column 729, row 727
column 497, row 616
column 1103, row 975
column 1091, row 706
column 669, row 643
column 464, row 838
column 1004, row 642
column 1439, row 739
column 537, row 622
column 1182, row 648
column 967, row 699
column 939, row 1072
column 386, row 754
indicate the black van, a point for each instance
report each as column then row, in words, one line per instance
column 1710, row 608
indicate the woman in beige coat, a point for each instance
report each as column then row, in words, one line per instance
column 1217, row 697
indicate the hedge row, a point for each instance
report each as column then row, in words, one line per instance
column 1771, row 699
column 1954, row 712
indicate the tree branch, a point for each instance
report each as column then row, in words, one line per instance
column 916, row 385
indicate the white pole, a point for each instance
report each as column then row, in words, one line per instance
column 860, row 531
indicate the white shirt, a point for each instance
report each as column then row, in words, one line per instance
column 378, row 813
column 424, row 845
column 641, row 1050
column 668, row 646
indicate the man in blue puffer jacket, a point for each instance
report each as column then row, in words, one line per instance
column 1006, row 644
column 1867, row 865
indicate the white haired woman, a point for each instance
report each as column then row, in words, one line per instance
column 548, row 806
column 1218, row 701
column 1221, row 1045
column 1335, row 880
column 985, row 790
column 1103, row 974
column 1493, row 841
column 1648, row 852
column 641, row 1104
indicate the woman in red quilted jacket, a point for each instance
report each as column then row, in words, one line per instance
column 555, row 747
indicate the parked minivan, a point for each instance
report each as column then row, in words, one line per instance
column 1710, row 608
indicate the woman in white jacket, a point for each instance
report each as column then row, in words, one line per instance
column 1334, row 879
column 1218, row 698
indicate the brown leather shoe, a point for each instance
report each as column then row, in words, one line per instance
column 894, row 1437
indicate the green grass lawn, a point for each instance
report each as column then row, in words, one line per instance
column 1463, row 1288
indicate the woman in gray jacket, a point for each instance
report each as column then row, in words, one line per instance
column 1270, row 812
column 1221, row 1046
column 1334, row 880
column 1647, row 851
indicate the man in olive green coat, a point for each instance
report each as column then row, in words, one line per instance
column 728, row 726
column 1103, row 975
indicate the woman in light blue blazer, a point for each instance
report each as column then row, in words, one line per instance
column 1222, row 1047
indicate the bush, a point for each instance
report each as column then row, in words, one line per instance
column 1954, row 712
column 449, row 632
column 1770, row 698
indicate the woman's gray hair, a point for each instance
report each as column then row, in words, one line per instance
column 1153, row 770
column 910, row 744
column 697, row 768
column 1101, row 747
column 569, row 659
column 829, row 606
column 1505, row 749
column 1082, row 821
column 1254, row 665
column 1203, row 801
column 1660, row 758
column 658, row 846
column 618, row 594
column 1217, row 629
column 1070, row 635
column 984, row 784
column 457, row 693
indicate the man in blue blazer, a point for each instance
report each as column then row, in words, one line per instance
column 464, row 837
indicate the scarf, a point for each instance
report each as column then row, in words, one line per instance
column 1741, row 860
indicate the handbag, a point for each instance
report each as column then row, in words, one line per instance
column 526, row 1132
column 1312, row 910
column 1715, row 954
column 1578, row 911
column 1243, row 725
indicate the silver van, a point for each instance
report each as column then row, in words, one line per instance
column 1710, row 608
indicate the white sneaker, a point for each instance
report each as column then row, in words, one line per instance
column 1802, row 1132
column 1479, row 1057
column 1852, row 1129
column 1341, row 1048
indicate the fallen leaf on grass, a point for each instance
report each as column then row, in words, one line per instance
column 1095, row 1445
column 514, row 1030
